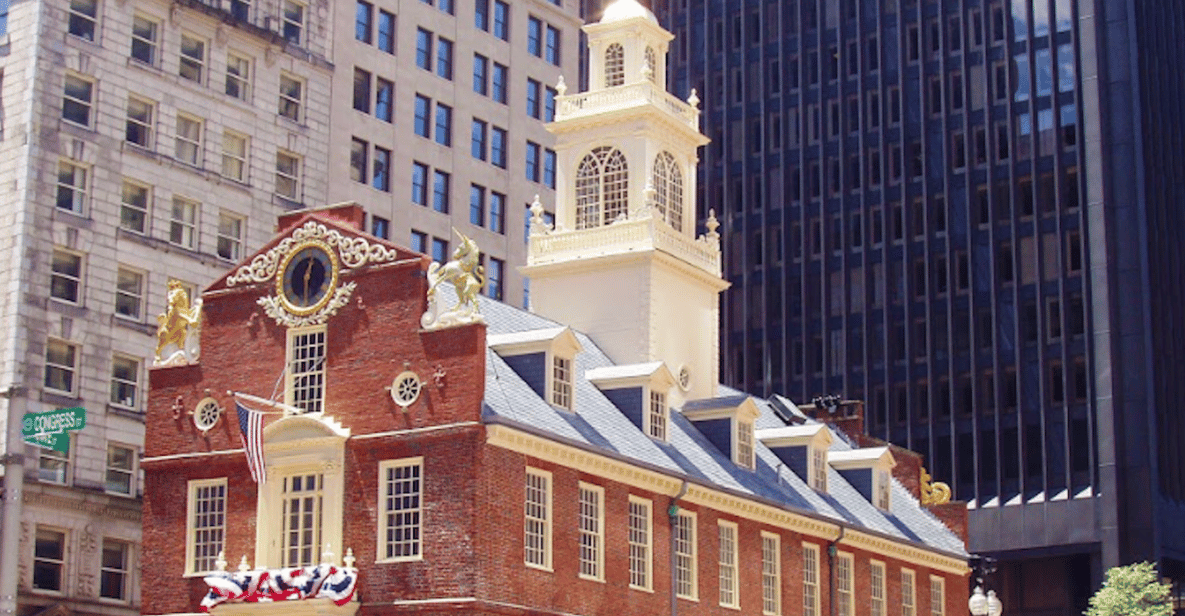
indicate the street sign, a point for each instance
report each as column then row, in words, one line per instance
column 49, row 429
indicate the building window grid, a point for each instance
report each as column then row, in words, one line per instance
column 125, row 383
column 537, row 520
column 614, row 65
column 145, row 37
column 292, row 18
column 65, row 278
column 49, row 560
column 230, row 236
column 288, row 175
column 61, row 366
column 686, row 586
column 908, row 599
column 744, row 440
column 234, row 156
column 238, row 76
column 937, row 596
column 53, row 466
column 207, row 523
column 843, row 585
column 129, row 293
column 728, row 564
column 657, row 425
column 561, row 382
column 602, row 188
column 192, row 60
column 188, row 140
column 401, row 500
column 114, row 571
column 306, row 369
column 291, row 97
column 668, row 185
column 876, row 589
column 771, row 574
column 301, row 522
column 72, row 187
column 183, row 223
column 810, row 580
column 140, row 123
column 592, row 531
column 639, row 543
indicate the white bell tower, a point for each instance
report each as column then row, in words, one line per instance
column 623, row 263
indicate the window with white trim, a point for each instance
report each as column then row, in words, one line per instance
column 293, row 18
column 876, row 589
column 71, row 193
column 114, row 570
column 306, row 368
column 668, row 190
column 843, row 585
column 49, row 560
column 640, row 536
column 183, row 222
column 230, row 235
column 537, row 520
column 818, row 470
column 302, row 499
column 133, row 207
column 401, row 492
column 291, row 97
column 121, row 469
column 205, row 524
column 561, row 382
column 771, row 574
column 288, row 175
column 908, row 593
column 614, row 65
column 602, row 188
column 82, row 18
column 138, row 129
column 592, row 531
column 743, row 455
column 937, row 596
column 65, row 278
column 77, row 99
column 53, row 466
column 728, row 564
column 187, row 145
column 125, row 382
column 884, row 483
column 129, row 293
column 192, row 62
column 238, row 76
column 656, row 427
column 234, row 156
column 61, row 366
column 686, row 586
column 810, row 579
column 145, row 39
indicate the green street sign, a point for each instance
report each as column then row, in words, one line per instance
column 49, row 429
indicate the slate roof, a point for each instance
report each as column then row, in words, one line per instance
column 597, row 424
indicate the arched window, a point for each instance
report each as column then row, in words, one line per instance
column 602, row 188
column 614, row 65
column 651, row 63
column 668, row 187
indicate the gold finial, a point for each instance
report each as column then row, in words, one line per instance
column 173, row 325
column 937, row 493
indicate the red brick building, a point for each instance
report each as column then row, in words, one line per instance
column 513, row 462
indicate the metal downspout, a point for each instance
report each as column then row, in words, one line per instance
column 831, row 553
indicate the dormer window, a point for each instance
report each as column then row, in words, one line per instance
column 728, row 423
column 868, row 470
column 614, row 65
column 306, row 369
column 883, row 482
column 743, row 453
column 561, row 382
column 818, row 471
column 657, row 424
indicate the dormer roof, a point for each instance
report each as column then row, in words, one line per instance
column 866, row 457
column 653, row 374
column 796, row 436
column 555, row 339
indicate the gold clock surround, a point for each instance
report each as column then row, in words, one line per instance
column 331, row 283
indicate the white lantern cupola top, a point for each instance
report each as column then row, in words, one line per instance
column 626, row 46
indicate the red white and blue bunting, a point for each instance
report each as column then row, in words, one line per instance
column 263, row 586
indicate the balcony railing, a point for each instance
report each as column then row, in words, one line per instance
column 625, row 97
column 633, row 235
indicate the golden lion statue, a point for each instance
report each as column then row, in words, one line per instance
column 173, row 326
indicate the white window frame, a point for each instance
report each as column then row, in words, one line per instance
column 183, row 141
column 87, row 104
column 60, row 564
column 406, row 518
column 909, row 601
column 240, row 81
column 215, row 543
column 190, row 66
column 146, row 123
column 818, row 467
column 129, row 472
column 311, row 397
column 686, row 562
column 288, row 175
column 591, row 518
column 126, row 206
column 123, row 570
column 294, row 490
column 76, row 10
column 183, row 222
column 231, row 231
column 844, row 584
column 76, row 187
column 641, row 540
column 152, row 44
column 68, row 277
column 771, row 574
column 937, row 596
column 126, row 292
column 729, row 589
column 743, row 450
column 121, row 382
column 810, row 579
column 290, row 106
column 658, row 415
column 298, row 23
column 71, row 370
column 235, row 146
column 537, row 526
column 560, row 381
column 876, row 588
column 883, row 488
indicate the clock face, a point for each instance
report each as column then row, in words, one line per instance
column 309, row 275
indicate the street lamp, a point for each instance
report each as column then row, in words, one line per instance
column 979, row 605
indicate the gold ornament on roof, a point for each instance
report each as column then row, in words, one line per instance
column 936, row 493
column 173, row 327
column 467, row 277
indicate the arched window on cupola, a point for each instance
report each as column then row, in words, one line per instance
column 602, row 188
column 668, row 190
column 651, row 64
column 614, row 65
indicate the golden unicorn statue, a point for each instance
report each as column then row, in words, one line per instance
column 173, row 326
column 467, row 277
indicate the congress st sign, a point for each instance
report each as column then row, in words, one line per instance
column 49, row 429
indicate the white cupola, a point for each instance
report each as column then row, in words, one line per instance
column 623, row 263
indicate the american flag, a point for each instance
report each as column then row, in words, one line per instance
column 251, row 431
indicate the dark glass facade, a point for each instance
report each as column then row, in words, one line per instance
column 969, row 214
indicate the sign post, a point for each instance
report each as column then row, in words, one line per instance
column 48, row 429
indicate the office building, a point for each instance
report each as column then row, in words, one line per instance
column 964, row 213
